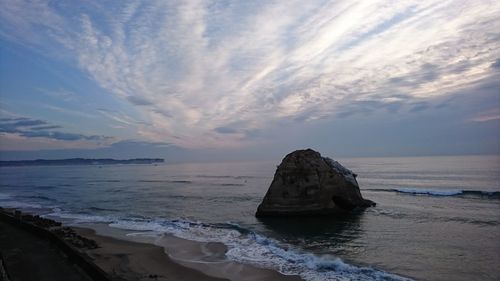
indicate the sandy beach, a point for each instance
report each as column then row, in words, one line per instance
column 137, row 261
column 186, row 260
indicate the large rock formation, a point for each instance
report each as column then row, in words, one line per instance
column 305, row 183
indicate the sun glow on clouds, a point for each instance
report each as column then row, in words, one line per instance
column 209, row 73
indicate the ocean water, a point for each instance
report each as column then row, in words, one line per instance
column 437, row 218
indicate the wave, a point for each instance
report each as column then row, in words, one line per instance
column 44, row 187
column 180, row 181
column 92, row 208
column 105, row 181
column 225, row 177
column 5, row 196
column 422, row 217
column 245, row 246
column 160, row 181
column 38, row 197
column 78, row 217
column 429, row 191
column 188, row 182
column 442, row 192
column 20, row 202
column 165, row 181
column 229, row 184
column 20, row 205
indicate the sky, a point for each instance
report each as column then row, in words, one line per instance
column 248, row 80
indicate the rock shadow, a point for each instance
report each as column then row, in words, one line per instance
column 337, row 228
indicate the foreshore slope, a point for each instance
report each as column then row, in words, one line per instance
column 36, row 248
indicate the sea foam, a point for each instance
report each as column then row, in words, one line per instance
column 442, row 192
column 429, row 191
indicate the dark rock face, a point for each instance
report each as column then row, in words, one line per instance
column 305, row 183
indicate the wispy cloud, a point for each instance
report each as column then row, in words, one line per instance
column 70, row 112
column 60, row 94
column 490, row 115
column 34, row 128
column 196, row 68
column 120, row 117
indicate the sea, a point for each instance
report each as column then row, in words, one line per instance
column 437, row 218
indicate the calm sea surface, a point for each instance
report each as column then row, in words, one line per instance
column 437, row 218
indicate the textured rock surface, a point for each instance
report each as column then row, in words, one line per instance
column 305, row 183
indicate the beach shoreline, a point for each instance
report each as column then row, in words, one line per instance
column 122, row 258
column 169, row 257
column 127, row 260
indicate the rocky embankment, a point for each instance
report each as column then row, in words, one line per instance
column 65, row 233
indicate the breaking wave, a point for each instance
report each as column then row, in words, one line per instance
column 442, row 192
column 244, row 246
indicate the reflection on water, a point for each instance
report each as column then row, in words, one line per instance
column 316, row 228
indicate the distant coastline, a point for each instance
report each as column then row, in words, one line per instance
column 80, row 161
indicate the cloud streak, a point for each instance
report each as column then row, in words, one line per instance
column 196, row 68
column 34, row 128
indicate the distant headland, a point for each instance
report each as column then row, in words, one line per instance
column 80, row 161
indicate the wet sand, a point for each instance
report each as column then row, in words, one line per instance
column 137, row 261
column 210, row 258
column 186, row 260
